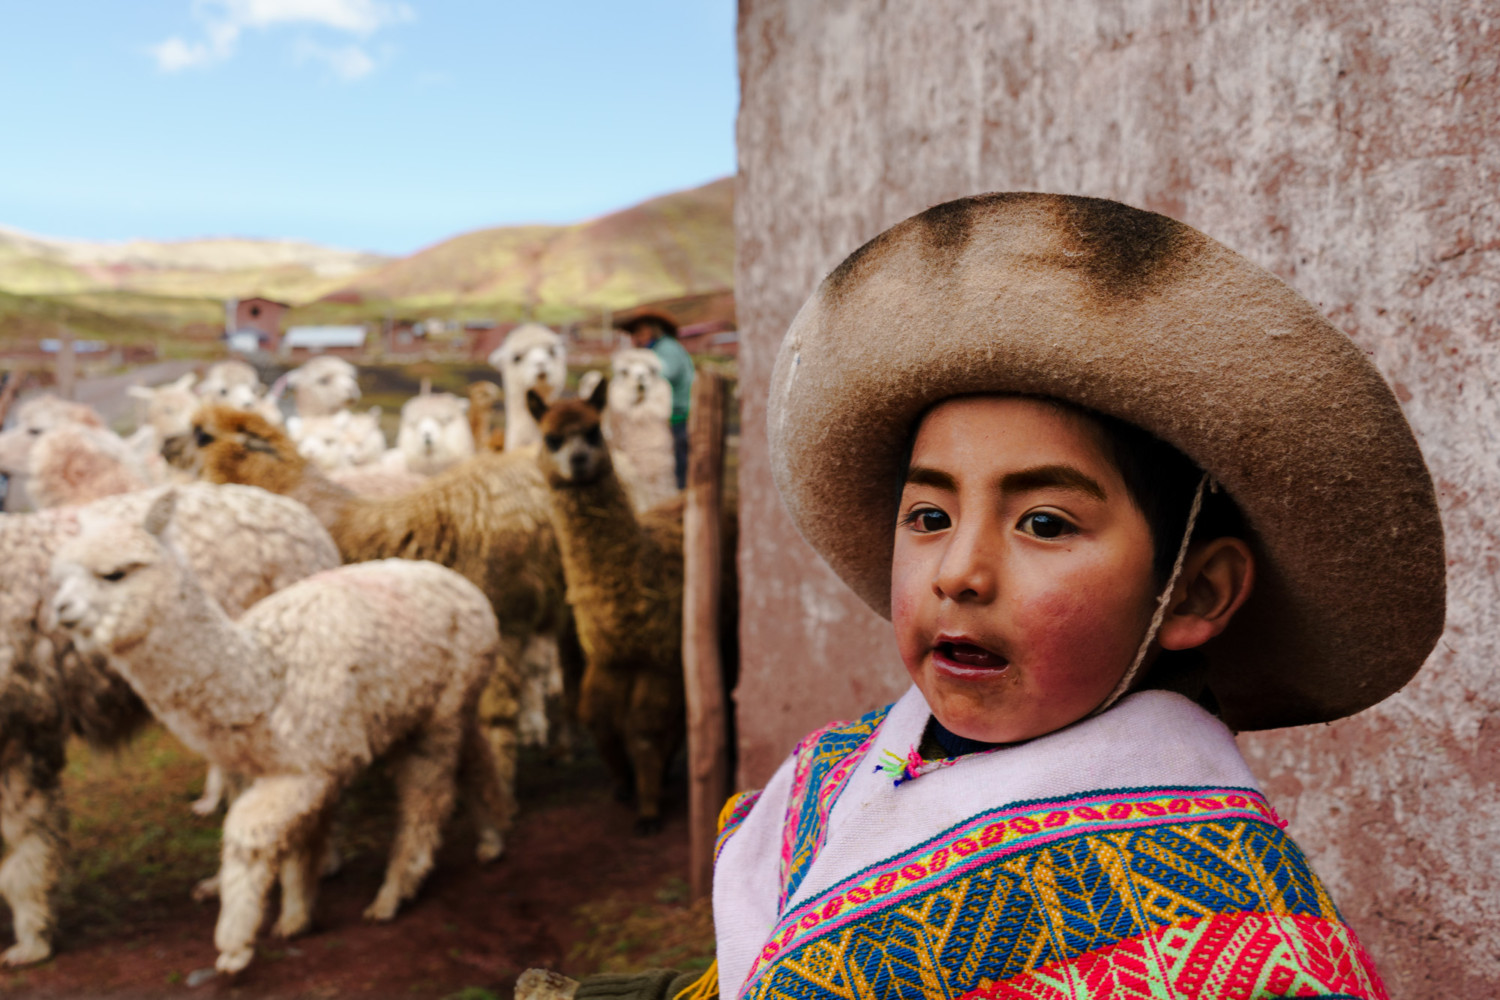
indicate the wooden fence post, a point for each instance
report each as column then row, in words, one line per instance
column 67, row 363
column 703, row 560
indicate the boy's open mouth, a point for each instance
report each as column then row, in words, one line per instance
column 967, row 656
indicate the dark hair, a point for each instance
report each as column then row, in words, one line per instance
column 1161, row 482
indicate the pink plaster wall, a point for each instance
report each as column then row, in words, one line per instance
column 1353, row 148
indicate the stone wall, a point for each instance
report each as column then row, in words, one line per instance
column 1351, row 147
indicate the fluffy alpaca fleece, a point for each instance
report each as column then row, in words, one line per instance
column 323, row 385
column 300, row 695
column 531, row 358
column 434, row 432
column 342, row 440
column 243, row 543
column 637, row 423
column 87, row 462
column 483, row 396
column 624, row 576
column 377, row 480
column 486, row 517
column 77, row 465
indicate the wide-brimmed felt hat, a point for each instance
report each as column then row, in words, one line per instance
column 1138, row 316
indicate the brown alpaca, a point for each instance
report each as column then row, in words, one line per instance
column 483, row 395
column 624, row 574
column 486, row 517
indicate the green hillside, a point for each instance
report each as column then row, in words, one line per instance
column 678, row 244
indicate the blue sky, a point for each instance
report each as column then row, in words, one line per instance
column 370, row 124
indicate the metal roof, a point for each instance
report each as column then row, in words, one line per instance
column 313, row 337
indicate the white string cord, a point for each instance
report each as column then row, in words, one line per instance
column 1164, row 600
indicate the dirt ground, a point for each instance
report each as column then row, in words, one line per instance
column 575, row 891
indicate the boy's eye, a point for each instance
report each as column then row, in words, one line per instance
column 926, row 519
column 1045, row 525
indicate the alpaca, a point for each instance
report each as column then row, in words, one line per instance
column 378, row 480
column 242, row 543
column 300, row 695
column 434, row 433
column 323, row 385
column 342, row 440
column 637, row 424
column 482, row 399
column 72, row 465
column 531, row 358
column 624, row 578
column 234, row 383
column 486, row 517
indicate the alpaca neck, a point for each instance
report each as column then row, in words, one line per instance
column 207, row 679
column 597, row 535
column 521, row 430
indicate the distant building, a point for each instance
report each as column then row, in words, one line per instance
column 306, row 341
column 256, row 317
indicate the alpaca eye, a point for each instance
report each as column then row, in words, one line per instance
column 593, row 437
column 202, row 438
column 553, row 441
column 114, row 577
column 515, row 359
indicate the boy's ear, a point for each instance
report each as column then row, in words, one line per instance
column 1216, row 580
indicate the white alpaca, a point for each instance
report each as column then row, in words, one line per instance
column 342, row 440
column 637, row 422
column 324, row 385
column 165, row 414
column 234, row 383
column 244, row 544
column 531, row 357
column 434, row 433
column 75, row 465
column 301, row 695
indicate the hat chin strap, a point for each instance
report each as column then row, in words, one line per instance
column 1206, row 483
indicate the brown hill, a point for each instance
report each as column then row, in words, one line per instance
column 678, row 244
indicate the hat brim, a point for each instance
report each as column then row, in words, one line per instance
column 1141, row 317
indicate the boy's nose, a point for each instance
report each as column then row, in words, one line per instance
column 968, row 570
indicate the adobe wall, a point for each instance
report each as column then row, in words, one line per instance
column 1352, row 148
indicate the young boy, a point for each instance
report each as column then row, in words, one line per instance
column 1121, row 493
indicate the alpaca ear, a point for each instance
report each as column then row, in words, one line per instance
column 294, row 426
column 160, row 513
column 536, row 405
column 598, row 397
column 374, row 411
column 185, row 382
column 139, row 392
column 426, row 389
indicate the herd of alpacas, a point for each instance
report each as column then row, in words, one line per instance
column 256, row 569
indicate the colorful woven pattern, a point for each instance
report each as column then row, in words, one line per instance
column 1159, row 892
column 732, row 815
column 824, row 762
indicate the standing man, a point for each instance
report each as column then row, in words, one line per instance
column 657, row 332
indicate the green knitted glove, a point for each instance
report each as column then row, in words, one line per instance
column 658, row 984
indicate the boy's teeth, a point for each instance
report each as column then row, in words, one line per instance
column 972, row 656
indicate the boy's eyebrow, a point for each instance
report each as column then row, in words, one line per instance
column 1057, row 477
column 920, row 475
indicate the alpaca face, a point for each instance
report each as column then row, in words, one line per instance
column 324, row 385
column 34, row 418
column 233, row 383
column 636, row 372
column 108, row 580
column 434, row 432
column 532, row 358
column 573, row 449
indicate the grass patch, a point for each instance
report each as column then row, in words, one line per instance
column 623, row 935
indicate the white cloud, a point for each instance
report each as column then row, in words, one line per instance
column 348, row 62
column 225, row 20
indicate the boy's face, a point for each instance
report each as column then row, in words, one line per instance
column 1021, row 583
